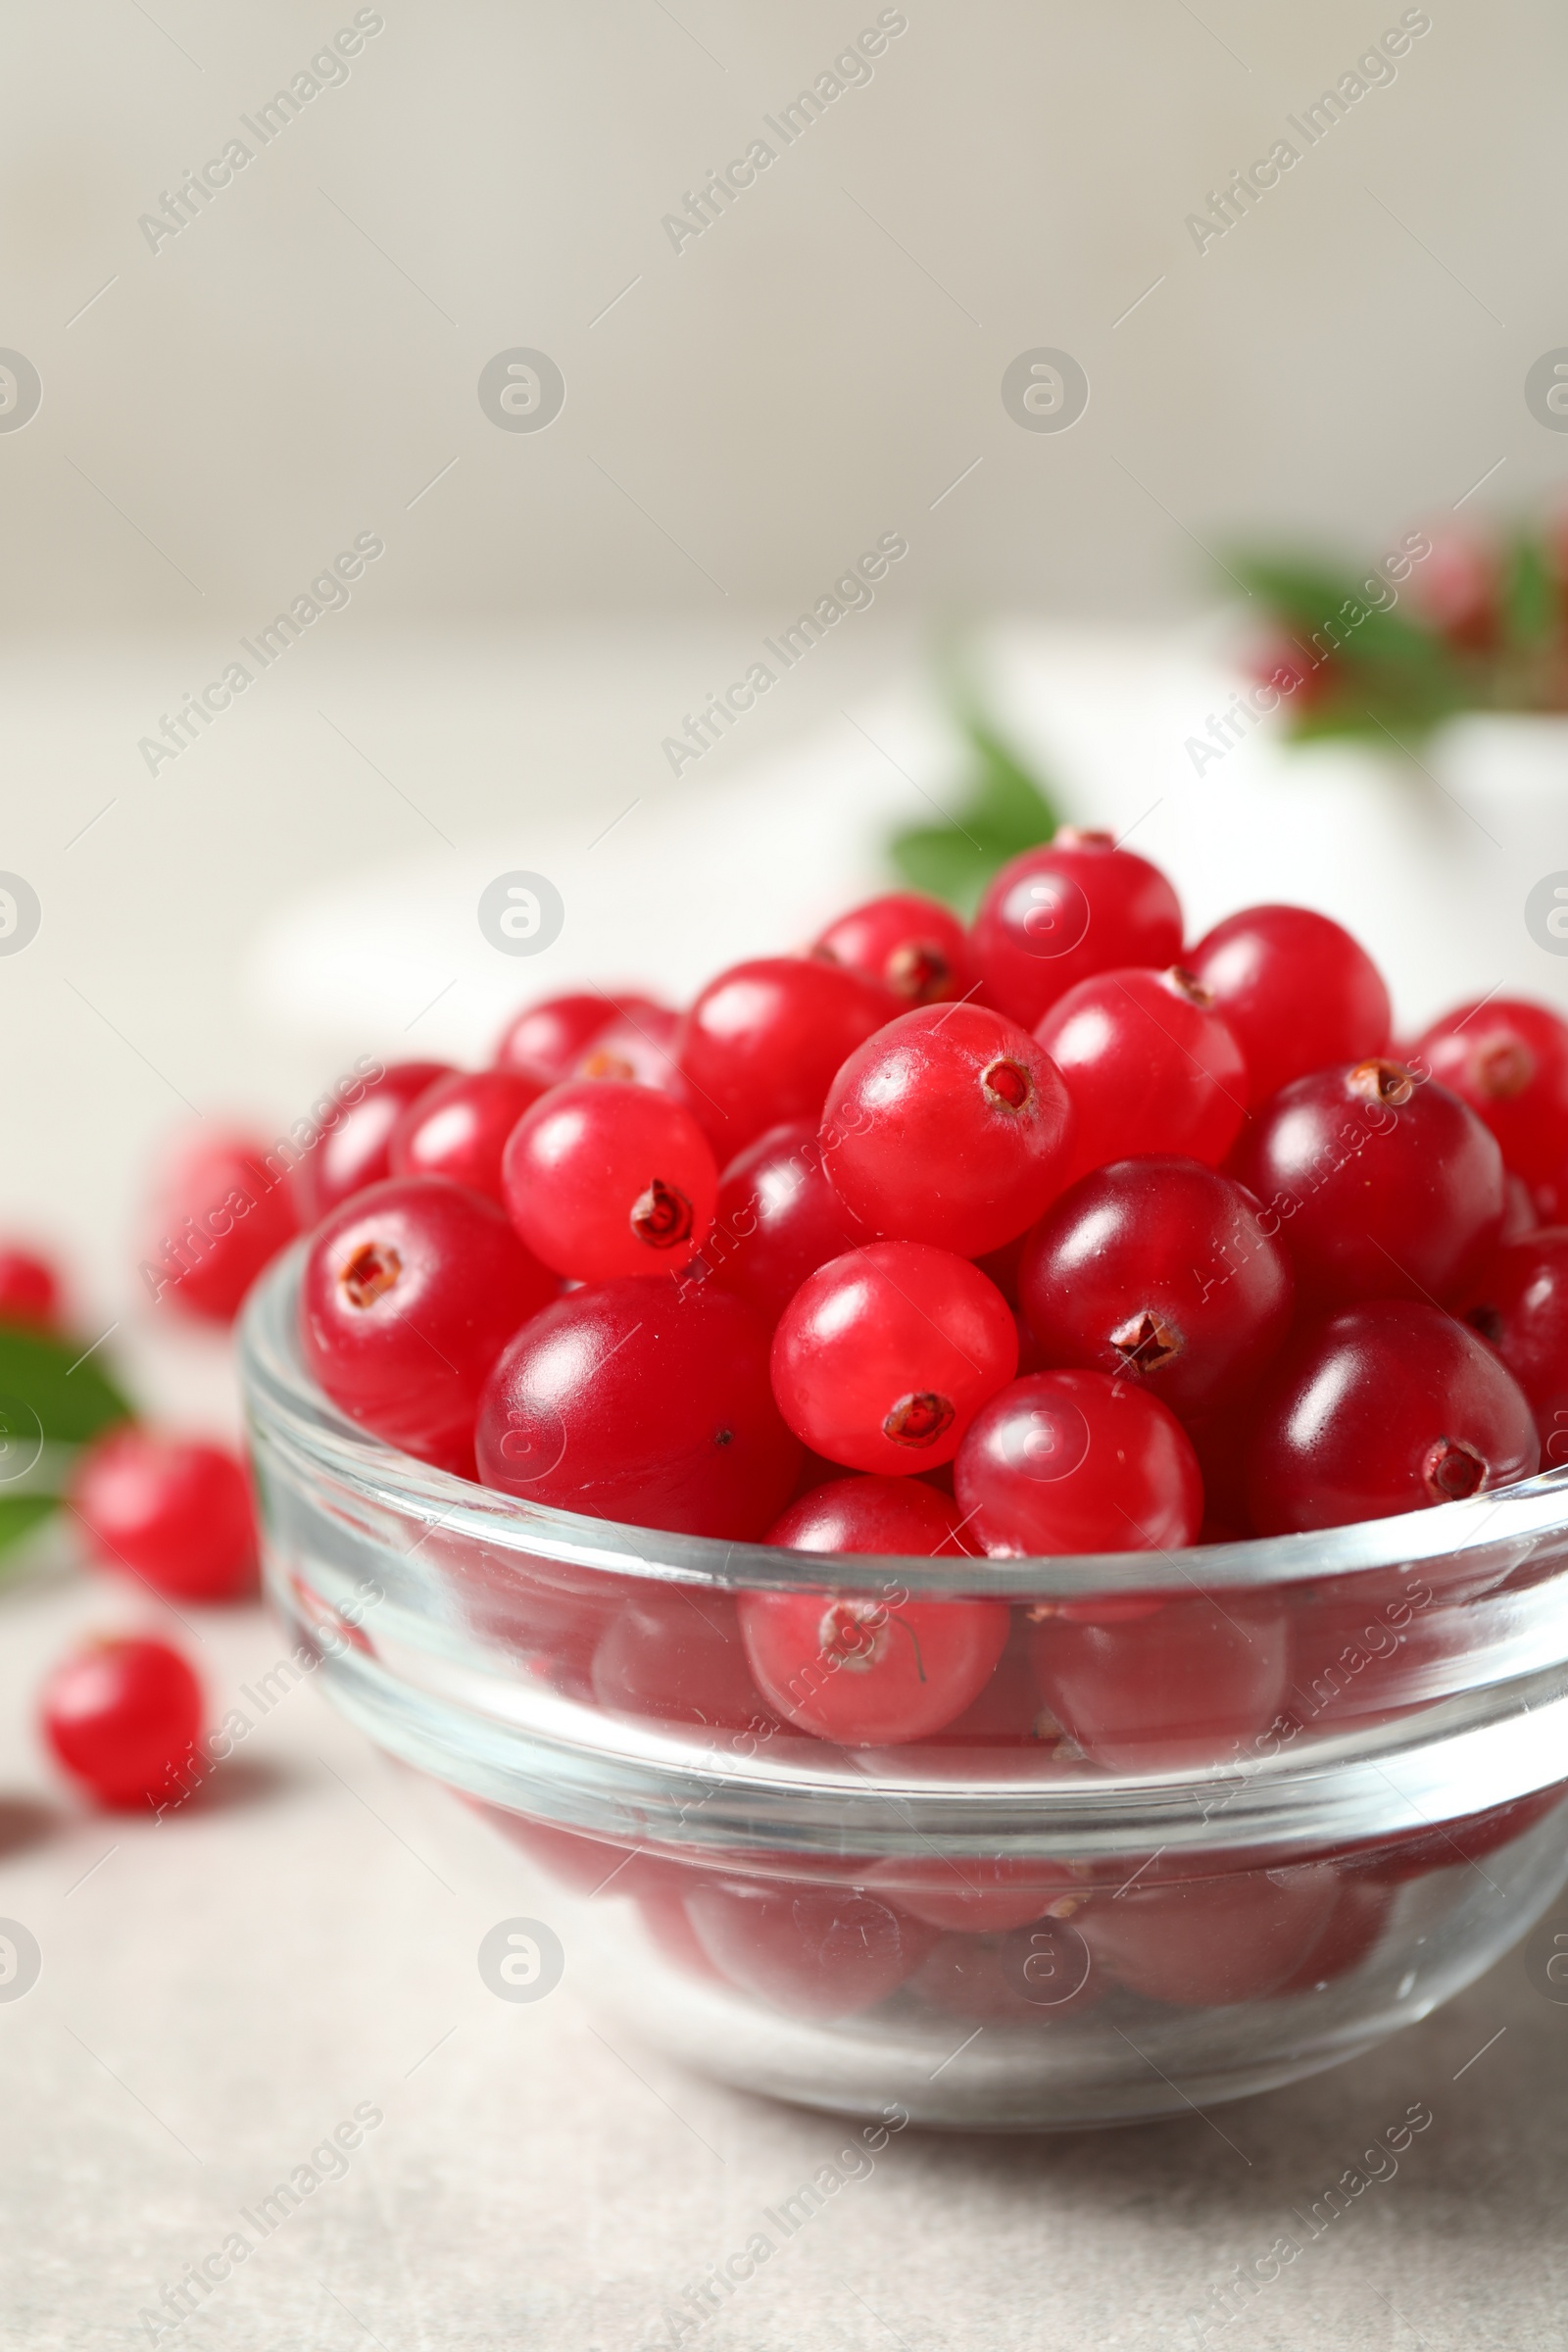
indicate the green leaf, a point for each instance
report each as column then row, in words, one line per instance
column 19, row 1515
column 1530, row 603
column 68, row 1395
column 1000, row 810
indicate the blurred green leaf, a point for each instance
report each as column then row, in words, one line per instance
column 1530, row 603
column 70, row 1396
column 999, row 809
column 19, row 1515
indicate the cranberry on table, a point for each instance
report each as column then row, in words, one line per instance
column 1389, row 1406
column 761, row 1042
column 123, row 1717
column 1385, row 1187
column 1519, row 1304
column 647, row 1402
column 602, row 1177
column 173, row 1512
column 411, row 1290
column 1295, row 991
column 548, row 1038
column 812, row 1951
column 883, row 1357
column 1508, row 1059
column 1150, row 1066
column 459, row 1128
column 951, row 1126
column 1054, row 916
column 355, row 1151
column 777, row 1219
column 220, row 1215
column 29, row 1290
column 674, row 1651
column 1160, row 1268
column 914, row 946
column 1163, row 1683
column 1077, row 1461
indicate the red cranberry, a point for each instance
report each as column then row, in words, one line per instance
column 1508, row 1059
column 914, row 947
column 639, row 1046
column 1519, row 1302
column 1077, row 1462
column 947, row 1126
column 124, row 1718
column 1349, row 1935
column 777, row 1220
column 813, row 1951
column 643, row 1402
column 1150, row 1066
column 221, row 1211
column 864, row 1671
column 674, row 1652
column 762, row 1042
column 1178, row 1685
column 1385, row 1187
column 1518, row 1212
column 883, row 1357
column 1203, row 1943
column 1388, row 1406
column 897, row 1515
column 1037, row 1976
column 973, row 1895
column 1458, row 1844
column 411, row 1292
column 1294, row 991
column 1160, row 1268
column 1054, row 916
column 355, row 1150
column 602, row 1177
column 173, row 1512
column 547, row 1039
column 868, row 1672
column 29, row 1290
column 1457, row 589
column 459, row 1128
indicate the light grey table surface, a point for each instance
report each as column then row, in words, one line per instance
column 222, row 1989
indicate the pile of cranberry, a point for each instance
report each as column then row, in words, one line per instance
column 1039, row 1237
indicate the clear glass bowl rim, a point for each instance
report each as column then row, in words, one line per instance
column 285, row 1406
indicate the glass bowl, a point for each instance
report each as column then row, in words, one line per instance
column 1216, row 1820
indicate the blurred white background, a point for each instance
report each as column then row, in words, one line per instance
column 226, row 408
